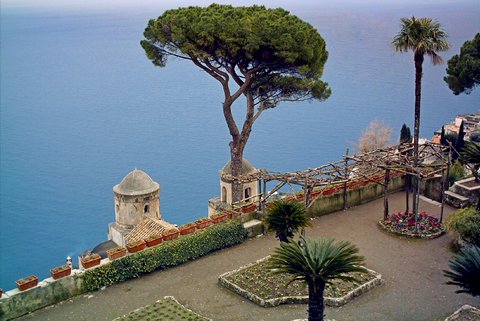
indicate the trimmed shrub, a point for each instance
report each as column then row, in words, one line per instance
column 172, row 253
column 466, row 222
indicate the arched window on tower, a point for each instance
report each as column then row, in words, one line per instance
column 248, row 192
column 146, row 209
column 224, row 194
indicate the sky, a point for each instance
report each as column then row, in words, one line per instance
column 115, row 4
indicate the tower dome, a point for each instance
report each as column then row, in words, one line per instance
column 246, row 168
column 137, row 182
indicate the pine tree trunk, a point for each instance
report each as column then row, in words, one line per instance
column 315, row 301
column 416, row 133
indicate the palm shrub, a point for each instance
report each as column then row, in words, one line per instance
column 466, row 222
column 285, row 218
column 465, row 271
column 317, row 263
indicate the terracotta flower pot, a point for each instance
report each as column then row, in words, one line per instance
column 170, row 235
column 136, row 246
column 154, row 240
column 27, row 283
column 60, row 272
column 91, row 260
column 249, row 208
column 116, row 253
column 187, row 229
column 203, row 223
column 218, row 218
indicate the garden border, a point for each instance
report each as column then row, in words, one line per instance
column 335, row 302
column 432, row 236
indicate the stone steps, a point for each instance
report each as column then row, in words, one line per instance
column 456, row 200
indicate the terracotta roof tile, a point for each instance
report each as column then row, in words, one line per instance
column 146, row 228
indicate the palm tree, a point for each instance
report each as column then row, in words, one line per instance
column 423, row 36
column 317, row 263
column 285, row 218
column 466, row 271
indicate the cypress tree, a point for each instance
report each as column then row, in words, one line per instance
column 405, row 135
column 443, row 141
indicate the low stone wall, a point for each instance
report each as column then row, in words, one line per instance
column 336, row 302
column 326, row 204
column 16, row 303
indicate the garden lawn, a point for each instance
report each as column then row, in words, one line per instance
column 261, row 281
column 167, row 309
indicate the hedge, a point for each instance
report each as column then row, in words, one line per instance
column 165, row 255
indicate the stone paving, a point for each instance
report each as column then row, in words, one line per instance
column 414, row 286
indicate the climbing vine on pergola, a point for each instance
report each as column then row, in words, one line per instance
column 378, row 166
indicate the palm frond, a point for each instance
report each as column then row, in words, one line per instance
column 465, row 271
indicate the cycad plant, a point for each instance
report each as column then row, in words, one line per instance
column 285, row 218
column 317, row 263
column 465, row 271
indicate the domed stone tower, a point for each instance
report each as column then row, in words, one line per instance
column 136, row 198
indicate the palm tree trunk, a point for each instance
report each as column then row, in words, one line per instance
column 416, row 132
column 315, row 300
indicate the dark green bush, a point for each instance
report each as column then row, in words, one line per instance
column 466, row 222
column 168, row 254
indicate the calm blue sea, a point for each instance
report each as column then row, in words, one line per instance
column 81, row 107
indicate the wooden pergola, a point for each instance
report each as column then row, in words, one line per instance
column 377, row 166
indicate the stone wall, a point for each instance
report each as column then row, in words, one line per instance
column 15, row 303
column 326, row 204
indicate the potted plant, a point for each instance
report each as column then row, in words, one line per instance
column 116, row 252
column 249, row 208
column 91, row 260
column 154, row 239
column 187, row 228
column 170, row 234
column 27, row 283
column 203, row 223
column 136, row 246
column 217, row 218
column 60, row 271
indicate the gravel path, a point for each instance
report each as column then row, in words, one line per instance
column 414, row 286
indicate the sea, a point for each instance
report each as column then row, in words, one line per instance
column 81, row 107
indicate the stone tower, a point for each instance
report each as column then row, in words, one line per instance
column 248, row 189
column 136, row 197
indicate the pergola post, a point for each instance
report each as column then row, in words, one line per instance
column 385, row 191
column 345, row 184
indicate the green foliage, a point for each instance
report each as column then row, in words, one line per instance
column 165, row 255
column 317, row 263
column 464, row 69
column 405, row 135
column 471, row 153
column 457, row 172
column 285, row 218
column 475, row 136
column 424, row 36
column 280, row 52
column 167, row 309
column 466, row 222
column 465, row 271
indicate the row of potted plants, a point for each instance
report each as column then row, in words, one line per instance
column 132, row 247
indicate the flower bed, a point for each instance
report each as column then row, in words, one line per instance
column 166, row 309
column 257, row 283
column 403, row 224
